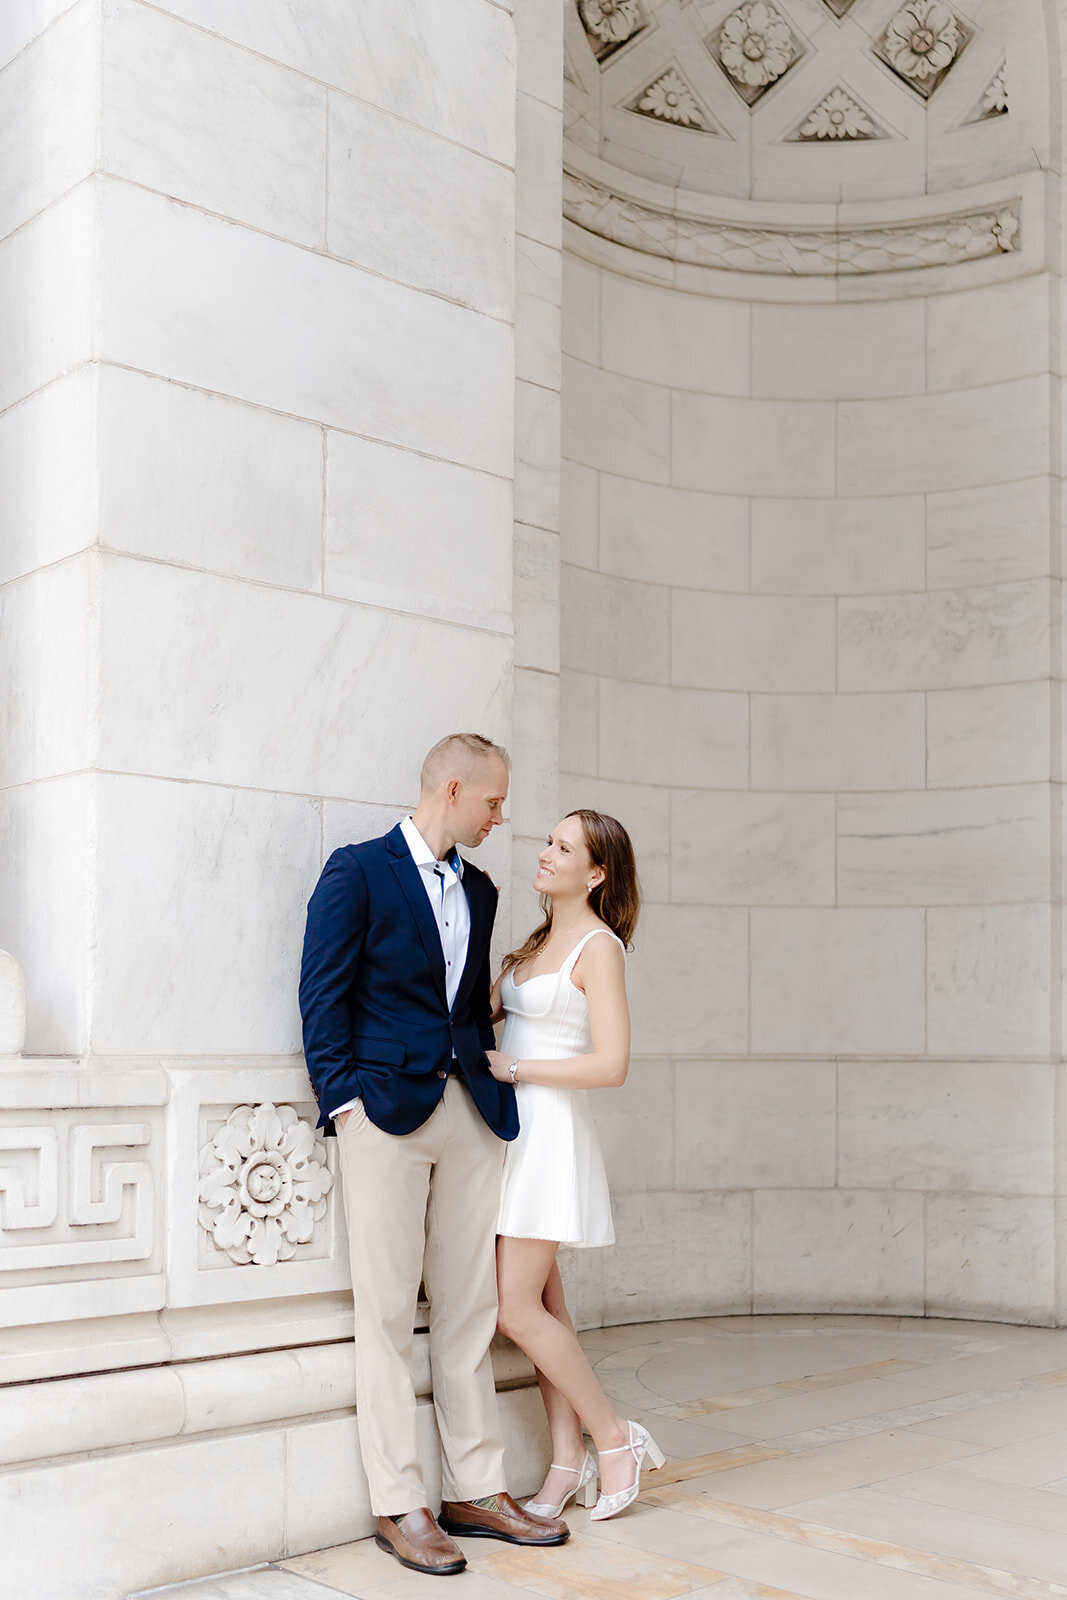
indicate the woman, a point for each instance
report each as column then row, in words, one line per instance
column 567, row 1030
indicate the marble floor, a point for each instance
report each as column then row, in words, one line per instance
column 834, row 1458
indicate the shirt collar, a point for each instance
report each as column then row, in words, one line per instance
column 421, row 853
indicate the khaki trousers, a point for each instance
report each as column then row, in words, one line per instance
column 423, row 1205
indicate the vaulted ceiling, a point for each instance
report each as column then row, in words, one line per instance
column 808, row 100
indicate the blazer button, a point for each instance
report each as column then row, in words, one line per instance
column 441, row 1073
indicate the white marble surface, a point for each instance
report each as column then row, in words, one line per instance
column 538, row 344
column 838, row 742
column 47, row 467
column 615, row 626
column 990, row 1256
column 680, row 340
column 838, row 981
column 672, row 1249
column 48, row 108
column 757, row 447
column 394, row 520
column 394, row 193
column 537, row 444
column 948, row 639
column 252, row 508
column 47, row 295
column 409, row 62
column 754, row 1125
column 989, row 984
column 846, row 546
column 636, row 1128
column 838, row 352
column 946, row 1126
column 839, row 1250
column 953, row 847
column 45, row 631
column 539, row 157
column 687, row 981
column 649, row 532
column 189, row 296
column 752, row 849
column 12, row 1006
column 192, row 116
column 986, row 336
column 757, row 642
column 690, row 737
column 965, row 541
column 617, row 424
column 993, row 735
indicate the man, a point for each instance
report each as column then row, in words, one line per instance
column 395, row 997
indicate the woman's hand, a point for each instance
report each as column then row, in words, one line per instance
column 499, row 1065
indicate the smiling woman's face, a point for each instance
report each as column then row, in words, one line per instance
column 564, row 866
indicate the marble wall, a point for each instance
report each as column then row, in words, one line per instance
column 808, row 618
column 267, row 537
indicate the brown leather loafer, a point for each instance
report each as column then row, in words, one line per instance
column 418, row 1542
column 500, row 1518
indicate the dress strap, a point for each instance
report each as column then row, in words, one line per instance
column 568, row 965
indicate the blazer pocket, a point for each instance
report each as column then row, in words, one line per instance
column 389, row 1051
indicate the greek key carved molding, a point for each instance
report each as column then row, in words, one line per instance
column 792, row 252
column 101, row 1210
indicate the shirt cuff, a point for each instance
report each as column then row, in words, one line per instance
column 346, row 1107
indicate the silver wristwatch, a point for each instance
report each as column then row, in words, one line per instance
column 514, row 1070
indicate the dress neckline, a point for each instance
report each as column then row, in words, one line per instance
column 567, row 960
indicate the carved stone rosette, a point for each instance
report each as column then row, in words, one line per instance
column 263, row 1184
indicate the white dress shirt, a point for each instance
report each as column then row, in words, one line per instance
column 443, row 882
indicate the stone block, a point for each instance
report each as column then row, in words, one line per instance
column 410, row 57
column 394, row 521
column 755, row 1124
column 579, row 514
column 838, row 1250
column 45, row 906
column 395, row 194
column 992, row 735
column 206, row 302
column 688, row 981
column 948, row 847
column 838, row 352
column 989, row 335
column 752, row 642
column 46, row 714
column 534, row 798
column 678, row 1255
column 195, row 117
column 539, row 30
column 581, row 310
column 47, row 299
column 199, row 951
column 854, row 546
column 617, row 424
column 538, row 171
column 257, row 682
column 635, row 1124
column 682, row 340
column 944, row 441
column 610, row 625
column 688, row 737
column 537, row 455
column 18, row 26
column 951, row 639
column 990, row 1257
column 536, row 598
column 945, row 1126
column 48, row 107
column 837, row 982
column 752, row 849
column 253, row 505
column 12, row 1006
column 989, row 982
column 47, row 468
column 968, row 540
column 830, row 742
column 579, row 719
column 649, row 532
column 757, row 447
column 538, row 356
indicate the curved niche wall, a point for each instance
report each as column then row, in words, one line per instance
column 808, row 521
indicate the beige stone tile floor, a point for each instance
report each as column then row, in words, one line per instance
column 809, row 1458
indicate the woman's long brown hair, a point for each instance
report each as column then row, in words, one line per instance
column 616, row 900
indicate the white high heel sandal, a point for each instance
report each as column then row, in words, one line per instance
column 640, row 1445
column 584, row 1491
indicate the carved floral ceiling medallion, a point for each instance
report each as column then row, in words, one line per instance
column 922, row 42
column 610, row 24
column 671, row 98
column 837, row 116
column 755, row 46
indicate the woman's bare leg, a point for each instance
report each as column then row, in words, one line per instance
column 564, row 1423
column 524, row 1267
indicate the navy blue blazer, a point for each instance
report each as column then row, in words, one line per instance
column 372, row 992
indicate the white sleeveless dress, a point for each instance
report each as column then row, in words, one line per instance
column 555, row 1186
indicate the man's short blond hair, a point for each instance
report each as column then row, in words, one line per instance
column 459, row 755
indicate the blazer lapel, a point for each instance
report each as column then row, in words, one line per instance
column 476, row 942
column 410, row 879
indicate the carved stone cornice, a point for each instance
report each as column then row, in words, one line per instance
column 832, row 246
